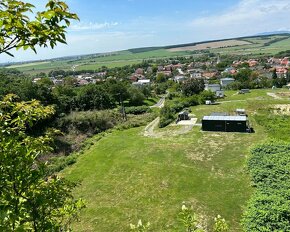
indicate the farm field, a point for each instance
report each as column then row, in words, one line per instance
column 269, row 45
column 126, row 176
column 203, row 46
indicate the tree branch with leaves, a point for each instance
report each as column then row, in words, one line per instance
column 46, row 29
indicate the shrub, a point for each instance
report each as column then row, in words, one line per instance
column 89, row 122
column 166, row 116
column 268, row 209
column 137, row 110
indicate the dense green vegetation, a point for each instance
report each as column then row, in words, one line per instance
column 268, row 208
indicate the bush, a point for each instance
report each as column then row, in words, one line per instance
column 268, row 209
column 137, row 110
column 166, row 116
column 89, row 122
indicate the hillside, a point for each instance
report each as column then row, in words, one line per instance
column 126, row 176
column 255, row 45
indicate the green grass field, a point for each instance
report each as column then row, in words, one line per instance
column 126, row 176
column 123, row 58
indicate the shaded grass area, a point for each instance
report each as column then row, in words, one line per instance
column 125, row 176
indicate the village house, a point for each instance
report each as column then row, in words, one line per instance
column 82, row 82
column 195, row 73
column 57, row 82
column 139, row 71
column 285, row 61
column 281, row 72
column 179, row 79
column 160, row 68
column 100, row 74
column 252, row 63
column 209, row 75
column 166, row 73
column 168, row 67
column 141, row 83
column 225, row 81
column 230, row 70
column 35, row 80
column 215, row 88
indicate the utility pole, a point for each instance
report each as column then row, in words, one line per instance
column 123, row 111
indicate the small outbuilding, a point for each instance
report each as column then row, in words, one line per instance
column 225, row 123
column 183, row 116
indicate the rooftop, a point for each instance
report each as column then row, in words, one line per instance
column 225, row 118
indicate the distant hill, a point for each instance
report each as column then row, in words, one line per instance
column 273, row 33
column 256, row 45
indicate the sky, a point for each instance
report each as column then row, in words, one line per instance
column 113, row 25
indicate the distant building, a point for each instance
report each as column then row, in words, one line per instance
column 35, row 80
column 195, row 73
column 179, row 79
column 166, row 73
column 139, row 71
column 285, row 61
column 225, row 81
column 215, row 88
column 252, row 63
column 281, row 72
column 209, row 75
column 139, row 83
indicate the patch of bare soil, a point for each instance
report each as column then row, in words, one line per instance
column 283, row 94
column 282, row 109
column 170, row 131
column 203, row 46
column 274, row 95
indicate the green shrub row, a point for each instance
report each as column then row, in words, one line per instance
column 137, row 110
column 269, row 207
column 89, row 122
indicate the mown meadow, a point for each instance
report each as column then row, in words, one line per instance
column 125, row 176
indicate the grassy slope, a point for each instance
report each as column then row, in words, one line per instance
column 126, row 176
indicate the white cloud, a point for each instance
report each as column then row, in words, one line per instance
column 249, row 16
column 92, row 26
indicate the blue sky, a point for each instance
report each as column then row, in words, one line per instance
column 111, row 25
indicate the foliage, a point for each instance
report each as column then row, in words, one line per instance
column 29, row 199
column 277, row 126
column 207, row 95
column 220, row 224
column 268, row 208
column 137, row 110
column 46, row 29
column 140, row 227
column 136, row 97
column 166, row 116
column 89, row 122
column 94, row 97
column 160, row 78
column 189, row 220
column 192, row 86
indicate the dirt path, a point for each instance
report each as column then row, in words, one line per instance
column 150, row 131
column 274, row 95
